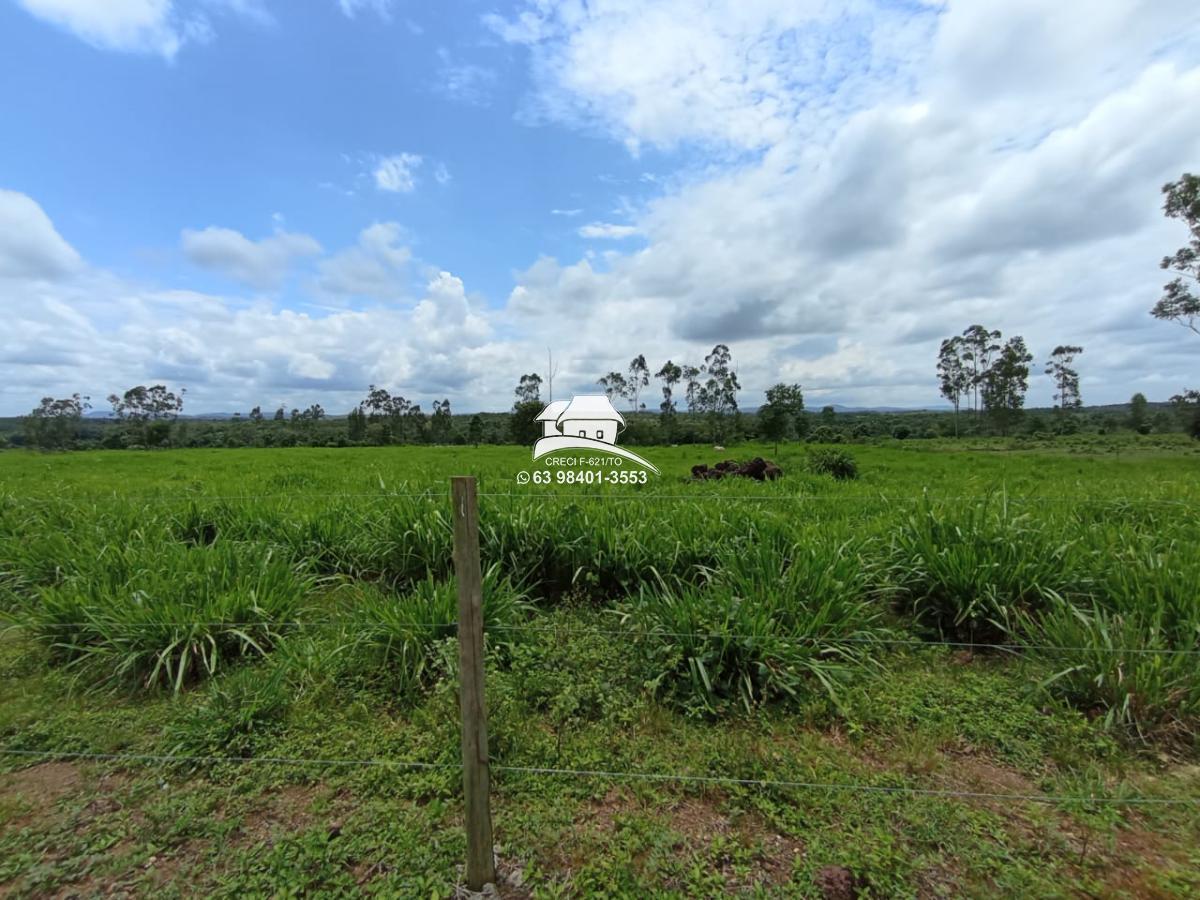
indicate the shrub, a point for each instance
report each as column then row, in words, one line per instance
column 823, row 434
column 837, row 463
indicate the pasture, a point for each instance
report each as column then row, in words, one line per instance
column 966, row 671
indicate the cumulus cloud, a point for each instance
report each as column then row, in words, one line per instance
column 95, row 332
column 884, row 205
column 30, row 246
column 374, row 268
column 857, row 183
column 446, row 309
column 397, row 174
column 259, row 264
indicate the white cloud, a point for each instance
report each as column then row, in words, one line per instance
column 445, row 318
column 607, row 231
column 259, row 264
column 397, row 174
column 159, row 27
column 97, row 333
column 462, row 81
column 30, row 246
column 375, row 268
column 565, row 212
column 382, row 8
column 725, row 72
column 143, row 26
column 853, row 188
column 886, row 211
column 441, row 174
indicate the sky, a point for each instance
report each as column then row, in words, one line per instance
column 280, row 203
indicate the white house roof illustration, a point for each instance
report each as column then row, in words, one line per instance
column 552, row 410
column 588, row 406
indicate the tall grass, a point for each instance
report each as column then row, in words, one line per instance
column 780, row 592
column 400, row 633
column 774, row 622
column 1133, row 651
column 974, row 571
column 165, row 614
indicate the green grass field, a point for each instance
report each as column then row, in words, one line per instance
column 269, row 619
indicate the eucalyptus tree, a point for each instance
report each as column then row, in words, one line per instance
column 952, row 372
column 639, row 377
column 53, row 424
column 1179, row 302
column 1066, row 379
column 1139, row 414
column 529, row 388
column 440, row 422
column 669, row 375
column 614, row 385
column 718, row 394
column 148, row 411
column 977, row 350
column 690, row 376
column 1006, row 383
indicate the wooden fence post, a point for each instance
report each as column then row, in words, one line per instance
column 481, row 864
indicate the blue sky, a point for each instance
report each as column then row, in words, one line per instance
column 288, row 116
column 280, row 203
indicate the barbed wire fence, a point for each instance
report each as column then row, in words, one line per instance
column 475, row 878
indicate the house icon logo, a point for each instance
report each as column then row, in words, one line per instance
column 585, row 422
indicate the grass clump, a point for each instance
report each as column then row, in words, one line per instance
column 166, row 614
column 402, row 633
column 1129, row 653
column 839, row 464
column 769, row 625
column 1123, row 667
column 239, row 713
column 973, row 572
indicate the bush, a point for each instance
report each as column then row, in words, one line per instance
column 823, row 434
column 837, row 463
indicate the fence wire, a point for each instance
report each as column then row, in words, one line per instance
column 648, row 495
column 848, row 787
column 615, row 775
column 831, row 640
